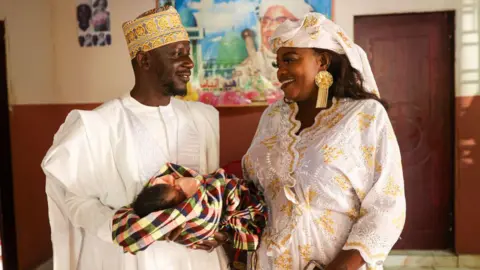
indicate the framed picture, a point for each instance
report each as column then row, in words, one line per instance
column 233, row 60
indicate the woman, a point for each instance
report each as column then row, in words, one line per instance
column 326, row 156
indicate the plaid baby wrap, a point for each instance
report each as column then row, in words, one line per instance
column 221, row 203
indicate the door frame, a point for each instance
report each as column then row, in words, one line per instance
column 7, row 209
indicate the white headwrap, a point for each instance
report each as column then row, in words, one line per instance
column 297, row 7
column 317, row 31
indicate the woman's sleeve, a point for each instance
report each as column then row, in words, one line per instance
column 382, row 214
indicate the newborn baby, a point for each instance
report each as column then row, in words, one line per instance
column 202, row 204
column 167, row 192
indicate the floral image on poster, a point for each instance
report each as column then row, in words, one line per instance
column 233, row 59
column 93, row 18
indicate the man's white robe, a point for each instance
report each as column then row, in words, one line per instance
column 99, row 162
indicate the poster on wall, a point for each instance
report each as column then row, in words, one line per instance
column 93, row 19
column 233, row 60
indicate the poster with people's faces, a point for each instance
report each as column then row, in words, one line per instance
column 234, row 63
column 93, row 19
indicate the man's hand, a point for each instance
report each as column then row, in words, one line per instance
column 175, row 233
column 219, row 238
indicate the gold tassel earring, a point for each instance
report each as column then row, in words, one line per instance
column 323, row 80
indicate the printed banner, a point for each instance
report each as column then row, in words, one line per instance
column 233, row 60
column 93, row 18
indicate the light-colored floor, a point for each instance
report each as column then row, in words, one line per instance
column 48, row 265
column 430, row 260
column 408, row 260
column 429, row 268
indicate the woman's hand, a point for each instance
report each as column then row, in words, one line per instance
column 219, row 238
column 347, row 260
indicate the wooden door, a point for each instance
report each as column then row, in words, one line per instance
column 412, row 60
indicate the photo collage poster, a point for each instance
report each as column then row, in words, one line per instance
column 233, row 60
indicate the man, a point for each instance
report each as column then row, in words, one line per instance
column 271, row 14
column 101, row 159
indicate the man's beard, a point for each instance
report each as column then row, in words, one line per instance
column 172, row 90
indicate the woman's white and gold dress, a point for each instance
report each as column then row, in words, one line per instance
column 336, row 185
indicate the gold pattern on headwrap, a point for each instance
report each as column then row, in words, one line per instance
column 309, row 22
column 314, row 34
column 278, row 43
column 153, row 29
column 344, row 38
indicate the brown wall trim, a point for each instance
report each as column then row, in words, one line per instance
column 467, row 184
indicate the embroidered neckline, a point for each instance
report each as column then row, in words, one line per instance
column 292, row 118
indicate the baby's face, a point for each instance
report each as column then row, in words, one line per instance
column 189, row 185
column 182, row 188
column 176, row 195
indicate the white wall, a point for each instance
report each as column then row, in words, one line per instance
column 29, row 50
column 93, row 74
column 345, row 10
column 3, row 9
column 63, row 72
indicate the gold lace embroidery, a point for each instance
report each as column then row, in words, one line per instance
column 352, row 214
column 361, row 194
column 310, row 197
column 330, row 154
column 391, row 188
column 334, row 120
column 270, row 142
column 284, row 261
column 343, row 182
column 362, row 213
column 248, row 166
column 274, row 187
column 275, row 110
column 365, row 120
column 305, row 252
column 287, row 209
column 302, row 151
column 367, row 152
column 378, row 167
column 326, row 222
column 345, row 39
column 309, row 21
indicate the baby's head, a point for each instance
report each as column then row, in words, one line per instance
column 156, row 198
